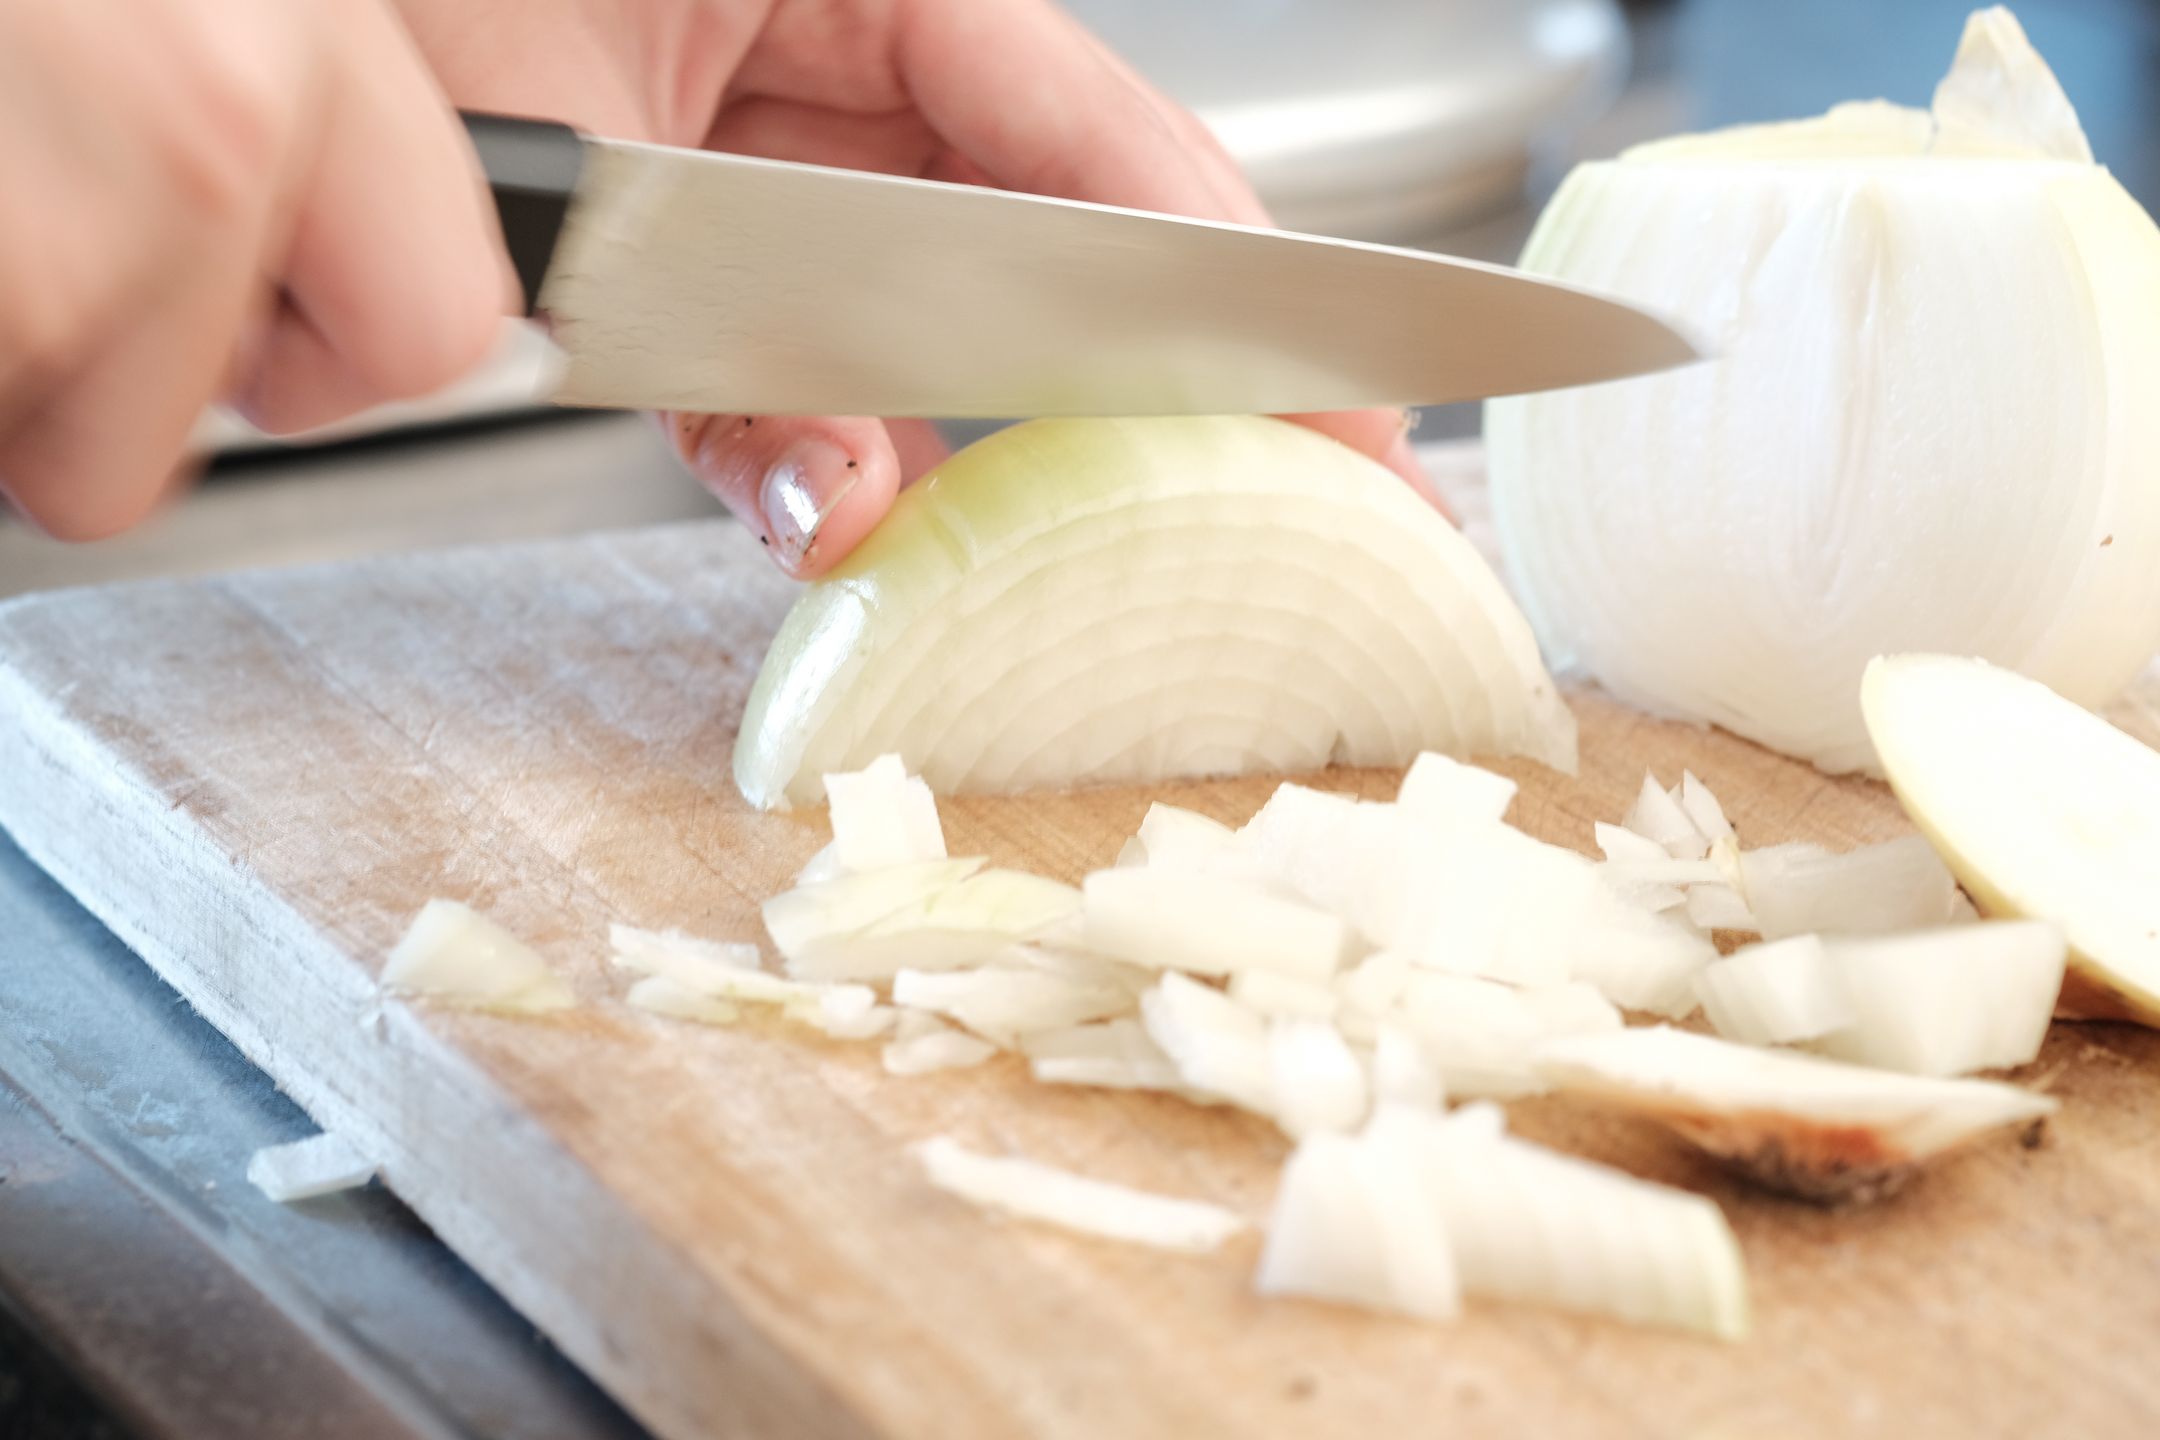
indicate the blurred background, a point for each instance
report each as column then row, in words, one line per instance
column 1434, row 123
column 1437, row 123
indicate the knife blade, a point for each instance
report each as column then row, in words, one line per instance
column 687, row 280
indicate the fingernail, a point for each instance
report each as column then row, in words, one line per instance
column 801, row 490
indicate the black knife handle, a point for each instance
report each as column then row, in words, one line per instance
column 532, row 170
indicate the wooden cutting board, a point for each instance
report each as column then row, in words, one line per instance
column 257, row 780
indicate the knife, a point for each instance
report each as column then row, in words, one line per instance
column 686, row 280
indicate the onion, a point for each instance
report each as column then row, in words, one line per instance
column 1207, row 924
column 1267, row 993
column 664, row 995
column 1946, row 1002
column 1000, row 1002
column 2041, row 808
column 1775, row 993
column 1800, row 889
column 1818, row 1129
column 1035, row 1191
column 947, row 919
column 454, row 955
column 1219, row 1047
column 1402, row 1073
column 938, row 1049
column 1930, row 425
column 1129, row 600
column 1117, row 1054
column 881, row 815
column 1317, row 1082
column 304, row 1169
column 1348, row 1226
column 1440, row 790
column 700, row 964
column 1181, row 839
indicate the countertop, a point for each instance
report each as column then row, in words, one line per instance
column 145, row 1289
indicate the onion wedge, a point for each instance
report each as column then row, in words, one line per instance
column 2041, row 808
column 1131, row 600
column 1034, row 1191
column 1817, row 1129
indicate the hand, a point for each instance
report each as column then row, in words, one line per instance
column 994, row 92
column 198, row 202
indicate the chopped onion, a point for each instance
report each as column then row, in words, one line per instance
column 944, row 923
column 454, row 955
column 939, row 1049
column 1484, row 1036
column 700, row 964
column 1949, row 1001
column 1268, row 993
column 2041, row 808
column 1130, row 600
column 1000, row 1002
column 1656, row 815
column 1402, row 1073
column 1318, row 1084
column 304, row 1169
column 1349, row 1225
column 1775, row 993
column 1441, row 790
column 1874, row 462
column 1719, row 907
column 1117, row 1054
column 849, row 1012
column 1207, row 924
column 883, row 816
column 1800, row 889
column 1181, row 839
column 664, row 995
column 809, row 914
column 1219, row 1047
column 1034, row 1191
column 1818, row 1129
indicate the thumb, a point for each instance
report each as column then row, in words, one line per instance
column 809, row 488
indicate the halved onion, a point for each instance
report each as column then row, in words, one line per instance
column 1034, row 1191
column 456, row 956
column 2042, row 808
column 1818, row 1129
column 1129, row 600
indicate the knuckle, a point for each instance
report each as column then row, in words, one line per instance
column 244, row 106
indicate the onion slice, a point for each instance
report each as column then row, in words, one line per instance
column 1034, row 1191
column 1131, row 600
column 304, row 1169
column 881, row 815
column 1808, row 1127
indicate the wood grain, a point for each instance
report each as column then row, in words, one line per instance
column 256, row 780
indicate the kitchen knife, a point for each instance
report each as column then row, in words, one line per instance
column 685, row 280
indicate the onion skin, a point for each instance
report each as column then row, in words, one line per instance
column 1929, row 427
column 1079, row 601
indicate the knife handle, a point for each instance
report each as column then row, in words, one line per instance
column 532, row 171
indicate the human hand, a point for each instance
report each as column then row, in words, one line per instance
column 1011, row 93
column 205, row 198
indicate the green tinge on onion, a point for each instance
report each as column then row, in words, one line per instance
column 1128, row 600
column 1928, row 426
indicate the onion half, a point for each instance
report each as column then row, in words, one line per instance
column 1930, row 425
column 1130, row 600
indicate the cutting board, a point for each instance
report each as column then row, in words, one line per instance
column 257, row 780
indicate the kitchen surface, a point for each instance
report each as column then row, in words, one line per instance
column 146, row 1289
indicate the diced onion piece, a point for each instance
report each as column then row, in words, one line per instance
column 1329, row 849
column 707, row 965
column 1703, row 810
column 1873, row 461
column 2041, row 808
column 1777, row 993
column 883, row 816
column 1130, row 600
column 963, row 923
column 1207, row 924
column 1818, row 1129
column 1000, row 1002
column 663, row 995
column 1798, row 890
column 809, row 914
column 304, row 1169
column 1373, row 985
column 849, row 1012
column 1528, row 1224
column 939, row 1049
column 1402, row 1073
column 1219, row 1047
column 1318, row 1083
column 1656, row 815
column 1266, row 993
column 1484, row 1036
column 1947, row 1001
column 1622, row 846
column 1719, row 907
column 1034, row 1191
column 456, row 956
column 1117, row 1054
column 1349, row 1226
column 1177, row 839
column 1438, row 789
column 823, row 866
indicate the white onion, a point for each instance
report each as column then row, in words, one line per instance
column 1267, row 993
column 1181, row 839
column 1207, row 924
column 1000, row 1002
column 881, row 815
column 1317, row 1081
column 452, row 954
column 1816, row 1128
column 1656, row 815
column 1034, row 1191
column 664, row 995
column 1402, row 1073
column 939, row 1049
column 1440, row 790
column 1348, row 1227
column 304, row 1169
column 947, row 919
column 2041, row 808
column 1775, row 993
column 1800, row 889
column 698, row 963
column 1929, row 425
column 1949, row 1001
column 1128, row 600
column 1219, row 1047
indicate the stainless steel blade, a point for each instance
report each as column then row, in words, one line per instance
column 690, row 281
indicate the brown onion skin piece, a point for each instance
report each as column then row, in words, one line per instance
column 1823, row 1164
